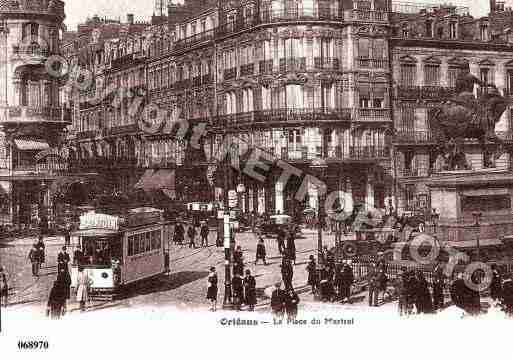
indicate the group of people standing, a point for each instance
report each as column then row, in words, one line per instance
column 192, row 232
column 243, row 290
column 332, row 282
column 413, row 290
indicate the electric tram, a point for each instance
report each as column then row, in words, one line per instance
column 117, row 251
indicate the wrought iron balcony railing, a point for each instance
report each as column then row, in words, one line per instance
column 196, row 81
column 326, row 63
column 424, row 92
column 293, row 64
column 368, row 152
column 413, row 137
column 207, row 79
column 373, row 114
column 25, row 113
column 372, row 63
column 284, row 115
column 366, row 15
column 194, row 40
column 413, row 172
column 265, row 67
column 183, row 84
column 247, row 70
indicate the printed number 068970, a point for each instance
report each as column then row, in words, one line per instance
column 33, row 344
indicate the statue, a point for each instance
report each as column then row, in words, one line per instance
column 466, row 117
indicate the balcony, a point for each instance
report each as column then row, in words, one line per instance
column 305, row 14
column 435, row 93
column 230, row 74
column 293, row 64
column 121, row 130
column 414, row 138
column 247, row 70
column 21, row 114
column 194, row 40
column 293, row 116
column 266, row 67
column 82, row 135
column 372, row 63
column 412, row 172
column 29, row 52
column 37, row 8
column 368, row 153
column 373, row 114
column 327, row 63
column 366, row 15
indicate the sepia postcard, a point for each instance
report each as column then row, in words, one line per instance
column 256, row 177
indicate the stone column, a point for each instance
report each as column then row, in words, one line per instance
column 17, row 93
column 444, row 73
column 369, row 196
column 348, row 200
column 279, row 202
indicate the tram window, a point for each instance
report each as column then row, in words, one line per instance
column 155, row 240
column 159, row 239
column 131, row 245
column 147, row 242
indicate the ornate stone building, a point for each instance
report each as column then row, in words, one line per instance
column 429, row 48
column 32, row 117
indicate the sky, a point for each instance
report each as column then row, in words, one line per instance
column 78, row 10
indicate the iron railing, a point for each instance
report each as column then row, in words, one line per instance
column 293, row 64
column 326, row 63
column 372, row 63
column 424, row 92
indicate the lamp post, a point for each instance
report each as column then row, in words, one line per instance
column 319, row 167
column 477, row 225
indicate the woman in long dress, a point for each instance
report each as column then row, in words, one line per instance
column 56, row 300
column 83, row 284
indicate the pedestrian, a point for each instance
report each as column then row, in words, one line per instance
column 78, row 256
column 238, row 261
column 43, row 225
column 337, row 281
column 237, row 291
column 326, row 285
column 291, row 246
column 83, row 287
column 311, row 268
column 249, row 283
column 4, row 287
column 424, row 294
column 507, row 294
column 347, row 281
column 458, row 292
column 281, row 240
column 63, row 260
column 495, row 285
column 41, row 250
column 191, row 233
column 287, row 273
column 56, row 300
column 204, row 230
column 64, row 278
column 438, row 289
column 179, row 233
column 372, row 280
column 411, row 290
column 278, row 301
column 34, row 257
column 212, row 289
column 291, row 304
column 402, row 291
column 260, row 251
column 67, row 235
column 382, row 281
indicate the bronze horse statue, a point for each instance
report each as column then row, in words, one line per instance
column 466, row 117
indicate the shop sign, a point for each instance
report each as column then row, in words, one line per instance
column 99, row 221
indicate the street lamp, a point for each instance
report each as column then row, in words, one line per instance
column 477, row 225
column 319, row 167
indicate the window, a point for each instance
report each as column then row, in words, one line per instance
column 485, row 75
column 363, row 48
column 453, row 30
column 407, row 120
column 404, row 30
column 364, row 93
column 453, row 73
column 408, row 72
column 432, row 75
column 429, row 28
column 410, row 196
column 509, row 81
column 483, row 29
column 378, row 49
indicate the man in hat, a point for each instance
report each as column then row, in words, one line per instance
column 204, row 234
column 237, row 290
column 4, row 287
column 63, row 260
column 249, row 290
column 34, row 258
column 347, row 280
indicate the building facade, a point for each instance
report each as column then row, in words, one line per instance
column 32, row 118
column 349, row 82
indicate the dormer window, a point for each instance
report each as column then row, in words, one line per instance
column 404, row 30
column 453, row 33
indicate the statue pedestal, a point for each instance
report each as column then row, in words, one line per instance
column 457, row 194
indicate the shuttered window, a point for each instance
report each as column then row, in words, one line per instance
column 408, row 74
column 432, row 75
column 363, row 48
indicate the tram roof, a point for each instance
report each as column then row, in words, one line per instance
column 93, row 232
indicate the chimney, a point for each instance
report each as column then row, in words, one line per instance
column 130, row 19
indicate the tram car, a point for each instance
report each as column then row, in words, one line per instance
column 117, row 251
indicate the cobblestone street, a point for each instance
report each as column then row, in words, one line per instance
column 184, row 286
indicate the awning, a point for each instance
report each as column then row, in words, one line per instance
column 157, row 180
column 31, row 145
